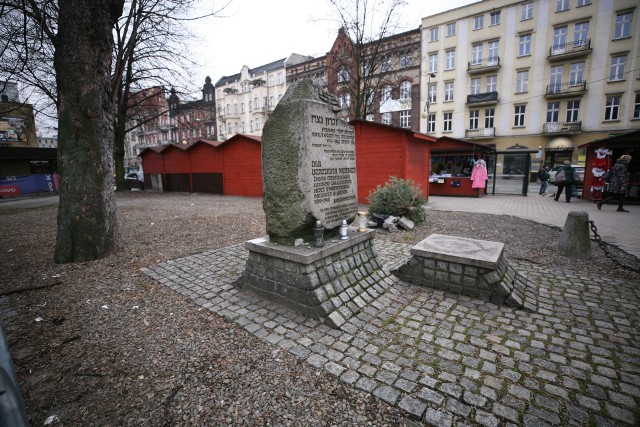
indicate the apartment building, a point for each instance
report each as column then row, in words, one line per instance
column 195, row 119
column 545, row 75
column 245, row 100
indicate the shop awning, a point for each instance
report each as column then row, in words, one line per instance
column 560, row 143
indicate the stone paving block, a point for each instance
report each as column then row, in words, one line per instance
column 438, row 418
column 387, row 394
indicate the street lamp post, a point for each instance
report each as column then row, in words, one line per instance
column 425, row 113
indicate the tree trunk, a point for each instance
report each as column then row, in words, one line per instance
column 87, row 223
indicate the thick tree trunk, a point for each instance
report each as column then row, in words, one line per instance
column 87, row 223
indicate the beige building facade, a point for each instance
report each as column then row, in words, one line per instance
column 547, row 75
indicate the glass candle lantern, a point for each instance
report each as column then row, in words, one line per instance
column 318, row 233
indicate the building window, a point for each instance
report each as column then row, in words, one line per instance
column 476, row 54
column 562, row 5
column 518, row 120
column 451, row 29
column 271, row 80
column 448, row 91
column 576, row 74
column 242, row 107
column 405, row 90
column 494, row 48
column 406, row 60
column 385, row 64
column 623, row 25
column 526, row 12
column 272, row 102
column 405, row 118
column 256, row 103
column 559, row 38
column 245, row 87
column 447, row 122
column 345, row 101
column 492, row 83
column 280, row 78
column 258, row 128
column 433, row 63
column 581, row 34
column 385, row 93
column 343, row 75
column 555, row 79
column 478, row 22
column 474, row 116
column 612, row 107
column 616, row 71
column 489, row 115
column 431, row 93
column 522, row 81
column 475, row 86
column 636, row 107
column 433, row 34
column 573, row 108
column 386, row 118
column 431, row 123
column 525, row 45
column 450, row 60
column 583, row 3
column 495, row 18
column 371, row 96
column 553, row 112
column 244, row 130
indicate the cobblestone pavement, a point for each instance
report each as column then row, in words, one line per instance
column 451, row 360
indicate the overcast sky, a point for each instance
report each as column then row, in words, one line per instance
column 257, row 32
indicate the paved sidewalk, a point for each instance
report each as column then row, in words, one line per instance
column 618, row 228
column 451, row 360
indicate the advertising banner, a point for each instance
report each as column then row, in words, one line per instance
column 28, row 184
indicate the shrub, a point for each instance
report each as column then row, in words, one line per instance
column 398, row 197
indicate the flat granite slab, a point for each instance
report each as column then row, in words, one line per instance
column 478, row 253
column 307, row 253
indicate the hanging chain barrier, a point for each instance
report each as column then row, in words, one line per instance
column 598, row 240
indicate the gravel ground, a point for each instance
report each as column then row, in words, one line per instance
column 105, row 345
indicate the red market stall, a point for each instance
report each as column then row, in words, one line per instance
column 452, row 167
column 383, row 151
column 601, row 155
column 231, row 167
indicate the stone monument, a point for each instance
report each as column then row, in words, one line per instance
column 309, row 176
column 308, row 166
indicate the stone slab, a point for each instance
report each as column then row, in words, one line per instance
column 307, row 254
column 462, row 250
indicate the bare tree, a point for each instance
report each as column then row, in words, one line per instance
column 364, row 57
column 149, row 52
column 87, row 223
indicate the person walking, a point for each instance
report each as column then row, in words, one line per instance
column 543, row 174
column 618, row 180
column 565, row 181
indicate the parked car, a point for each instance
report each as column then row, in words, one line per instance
column 579, row 169
column 134, row 180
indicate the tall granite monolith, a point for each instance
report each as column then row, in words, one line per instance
column 308, row 166
column 575, row 241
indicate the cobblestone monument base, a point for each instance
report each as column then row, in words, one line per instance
column 331, row 284
column 475, row 268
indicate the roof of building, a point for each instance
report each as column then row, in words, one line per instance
column 210, row 142
column 253, row 71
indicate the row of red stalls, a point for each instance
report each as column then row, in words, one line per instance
column 233, row 167
column 602, row 154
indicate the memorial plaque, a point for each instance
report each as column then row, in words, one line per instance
column 308, row 166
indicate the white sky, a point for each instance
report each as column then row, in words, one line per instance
column 257, row 32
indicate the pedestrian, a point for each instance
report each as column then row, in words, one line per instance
column 543, row 174
column 618, row 179
column 567, row 177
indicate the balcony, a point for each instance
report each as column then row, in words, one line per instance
column 562, row 127
column 563, row 51
column 484, row 65
column 566, row 90
column 488, row 98
column 481, row 133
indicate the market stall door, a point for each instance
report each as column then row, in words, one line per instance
column 511, row 174
column 207, row 183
